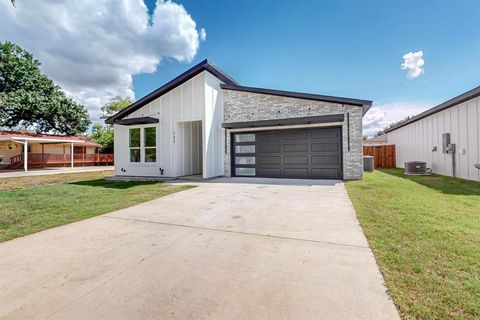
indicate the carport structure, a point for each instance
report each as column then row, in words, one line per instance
column 25, row 141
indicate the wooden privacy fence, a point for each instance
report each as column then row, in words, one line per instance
column 383, row 155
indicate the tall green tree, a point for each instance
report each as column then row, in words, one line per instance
column 30, row 100
column 115, row 105
column 103, row 134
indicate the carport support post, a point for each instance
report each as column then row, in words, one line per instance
column 71, row 154
column 25, row 156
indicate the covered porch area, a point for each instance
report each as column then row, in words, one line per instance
column 27, row 152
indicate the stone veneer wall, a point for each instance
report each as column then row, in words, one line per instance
column 246, row 106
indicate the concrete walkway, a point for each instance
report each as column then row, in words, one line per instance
column 228, row 249
column 5, row 173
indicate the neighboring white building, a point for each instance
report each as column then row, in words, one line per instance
column 376, row 141
column 204, row 122
column 427, row 137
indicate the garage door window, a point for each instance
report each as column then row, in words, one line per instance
column 245, row 171
column 245, row 149
column 245, row 137
column 244, row 158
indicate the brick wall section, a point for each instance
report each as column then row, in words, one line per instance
column 246, row 106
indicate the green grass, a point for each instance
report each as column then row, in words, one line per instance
column 51, row 179
column 425, row 234
column 24, row 211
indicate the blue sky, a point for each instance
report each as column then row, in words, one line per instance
column 98, row 49
column 345, row 48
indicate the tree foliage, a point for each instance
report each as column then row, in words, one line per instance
column 30, row 100
column 103, row 134
column 115, row 105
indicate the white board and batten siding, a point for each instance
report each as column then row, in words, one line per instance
column 189, row 118
column 214, row 139
column 416, row 140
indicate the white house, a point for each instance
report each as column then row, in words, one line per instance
column 446, row 137
column 204, row 122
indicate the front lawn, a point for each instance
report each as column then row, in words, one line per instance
column 24, row 211
column 50, row 179
column 425, row 234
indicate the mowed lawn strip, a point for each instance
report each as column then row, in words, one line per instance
column 425, row 234
column 25, row 211
column 51, row 179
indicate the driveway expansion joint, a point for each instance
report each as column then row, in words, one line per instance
column 239, row 232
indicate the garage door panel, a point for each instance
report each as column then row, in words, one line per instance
column 325, row 159
column 308, row 153
column 331, row 173
column 327, row 133
column 269, row 148
column 300, row 147
column 295, row 135
column 269, row 172
column 269, row 160
column 295, row 173
column 330, row 146
column 295, row 160
column 269, row 136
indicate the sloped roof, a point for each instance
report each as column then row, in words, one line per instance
column 76, row 140
column 229, row 84
column 365, row 104
column 447, row 104
column 187, row 75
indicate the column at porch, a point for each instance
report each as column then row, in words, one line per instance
column 25, row 155
column 43, row 157
column 71, row 155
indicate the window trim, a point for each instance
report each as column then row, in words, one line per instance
column 142, row 147
column 145, row 147
column 130, row 148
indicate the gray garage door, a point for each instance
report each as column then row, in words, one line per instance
column 308, row 153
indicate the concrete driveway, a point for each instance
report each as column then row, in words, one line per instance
column 228, row 249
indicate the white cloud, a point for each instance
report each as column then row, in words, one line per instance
column 379, row 117
column 203, row 34
column 374, row 121
column 413, row 62
column 92, row 48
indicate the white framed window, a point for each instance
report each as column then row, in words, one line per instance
column 134, row 144
column 143, row 144
column 150, row 144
